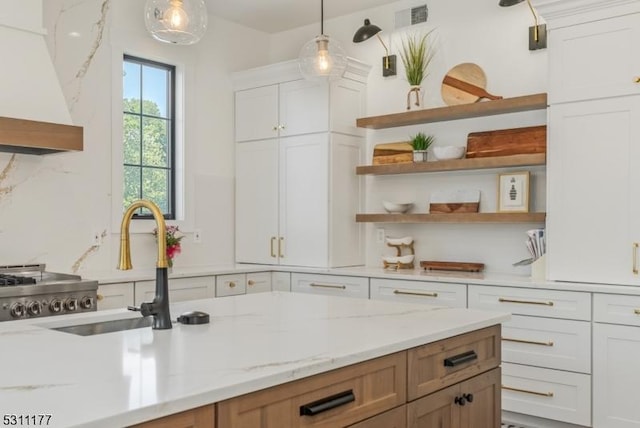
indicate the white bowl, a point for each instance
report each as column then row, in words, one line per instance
column 407, row 240
column 399, row 259
column 397, row 207
column 449, row 152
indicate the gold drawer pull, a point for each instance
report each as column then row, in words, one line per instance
column 530, row 342
column 101, row 297
column 316, row 284
column 415, row 293
column 251, row 282
column 525, row 302
column 232, row 284
column 637, row 311
column 636, row 79
column 526, row 391
column 635, row 258
column 273, row 254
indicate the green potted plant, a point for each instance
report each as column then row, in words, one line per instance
column 420, row 144
column 416, row 56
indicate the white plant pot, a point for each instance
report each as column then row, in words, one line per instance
column 420, row 155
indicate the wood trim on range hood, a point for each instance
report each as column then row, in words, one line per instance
column 38, row 138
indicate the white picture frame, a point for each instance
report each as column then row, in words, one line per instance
column 513, row 192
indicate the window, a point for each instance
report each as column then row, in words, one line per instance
column 149, row 134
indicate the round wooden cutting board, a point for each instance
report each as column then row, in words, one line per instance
column 465, row 84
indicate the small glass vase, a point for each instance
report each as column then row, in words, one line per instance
column 415, row 93
column 420, row 155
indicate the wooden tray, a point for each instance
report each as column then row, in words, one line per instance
column 506, row 142
column 453, row 266
column 392, row 153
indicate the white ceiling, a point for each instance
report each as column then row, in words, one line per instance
column 272, row 16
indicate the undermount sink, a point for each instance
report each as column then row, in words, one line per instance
column 106, row 326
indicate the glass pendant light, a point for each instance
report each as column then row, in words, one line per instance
column 322, row 58
column 182, row 22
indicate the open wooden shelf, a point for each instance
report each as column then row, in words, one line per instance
column 453, row 218
column 465, row 111
column 35, row 137
column 454, row 165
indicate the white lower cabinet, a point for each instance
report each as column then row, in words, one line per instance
column 551, row 394
column 231, row 285
column 115, row 296
column 258, row 282
column 347, row 286
column 616, row 361
column 432, row 293
column 281, row 281
column 180, row 289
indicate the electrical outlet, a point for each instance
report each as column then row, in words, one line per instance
column 380, row 236
column 197, row 236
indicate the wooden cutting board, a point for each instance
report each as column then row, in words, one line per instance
column 454, row 201
column 392, row 153
column 506, row 142
column 465, row 84
column 453, row 266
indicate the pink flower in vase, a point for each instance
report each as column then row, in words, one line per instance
column 172, row 241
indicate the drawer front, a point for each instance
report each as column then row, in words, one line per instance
column 396, row 418
column 552, row 394
column 115, row 296
column 449, row 361
column 230, row 285
column 348, row 286
column 334, row 399
column 616, row 309
column 259, row 282
column 180, row 289
column 526, row 301
column 432, row 293
column 547, row 342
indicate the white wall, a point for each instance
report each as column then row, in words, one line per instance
column 476, row 31
column 50, row 206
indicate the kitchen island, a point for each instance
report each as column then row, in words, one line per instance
column 253, row 342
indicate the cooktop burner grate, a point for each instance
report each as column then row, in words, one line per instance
column 8, row 280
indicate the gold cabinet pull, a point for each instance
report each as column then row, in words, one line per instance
column 637, row 311
column 232, row 284
column 251, row 282
column 524, row 302
column 527, row 391
column 100, row 297
column 635, row 258
column 317, row 284
column 530, row 342
column 275, row 128
column 273, row 239
column 415, row 293
column 636, row 79
column 281, row 247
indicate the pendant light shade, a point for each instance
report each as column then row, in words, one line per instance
column 322, row 58
column 182, row 22
column 507, row 3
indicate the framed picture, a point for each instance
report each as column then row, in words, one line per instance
column 513, row 192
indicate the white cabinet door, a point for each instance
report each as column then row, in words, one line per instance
column 257, row 113
column 281, row 281
column 231, row 285
column 304, row 200
column 115, row 296
column 303, row 108
column 258, row 282
column 257, row 202
column 594, row 168
column 180, row 289
column 616, row 357
column 594, row 60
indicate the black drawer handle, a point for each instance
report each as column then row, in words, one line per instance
column 327, row 403
column 461, row 358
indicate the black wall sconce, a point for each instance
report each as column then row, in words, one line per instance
column 537, row 33
column 369, row 30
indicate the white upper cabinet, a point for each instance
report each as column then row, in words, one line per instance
column 595, row 60
column 257, row 113
column 304, row 107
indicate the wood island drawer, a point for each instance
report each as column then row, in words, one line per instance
column 616, row 309
column 430, row 293
column 525, row 301
column 547, row 342
column 337, row 398
column 440, row 364
column 551, row 394
column 395, row 418
column 348, row 286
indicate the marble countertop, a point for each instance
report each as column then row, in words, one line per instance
column 253, row 342
column 483, row 278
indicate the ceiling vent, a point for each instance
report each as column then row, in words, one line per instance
column 413, row 16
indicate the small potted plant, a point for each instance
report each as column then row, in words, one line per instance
column 416, row 56
column 420, row 144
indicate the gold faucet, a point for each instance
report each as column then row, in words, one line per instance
column 159, row 308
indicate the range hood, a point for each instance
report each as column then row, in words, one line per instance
column 34, row 117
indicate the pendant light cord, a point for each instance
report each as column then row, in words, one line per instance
column 322, row 17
